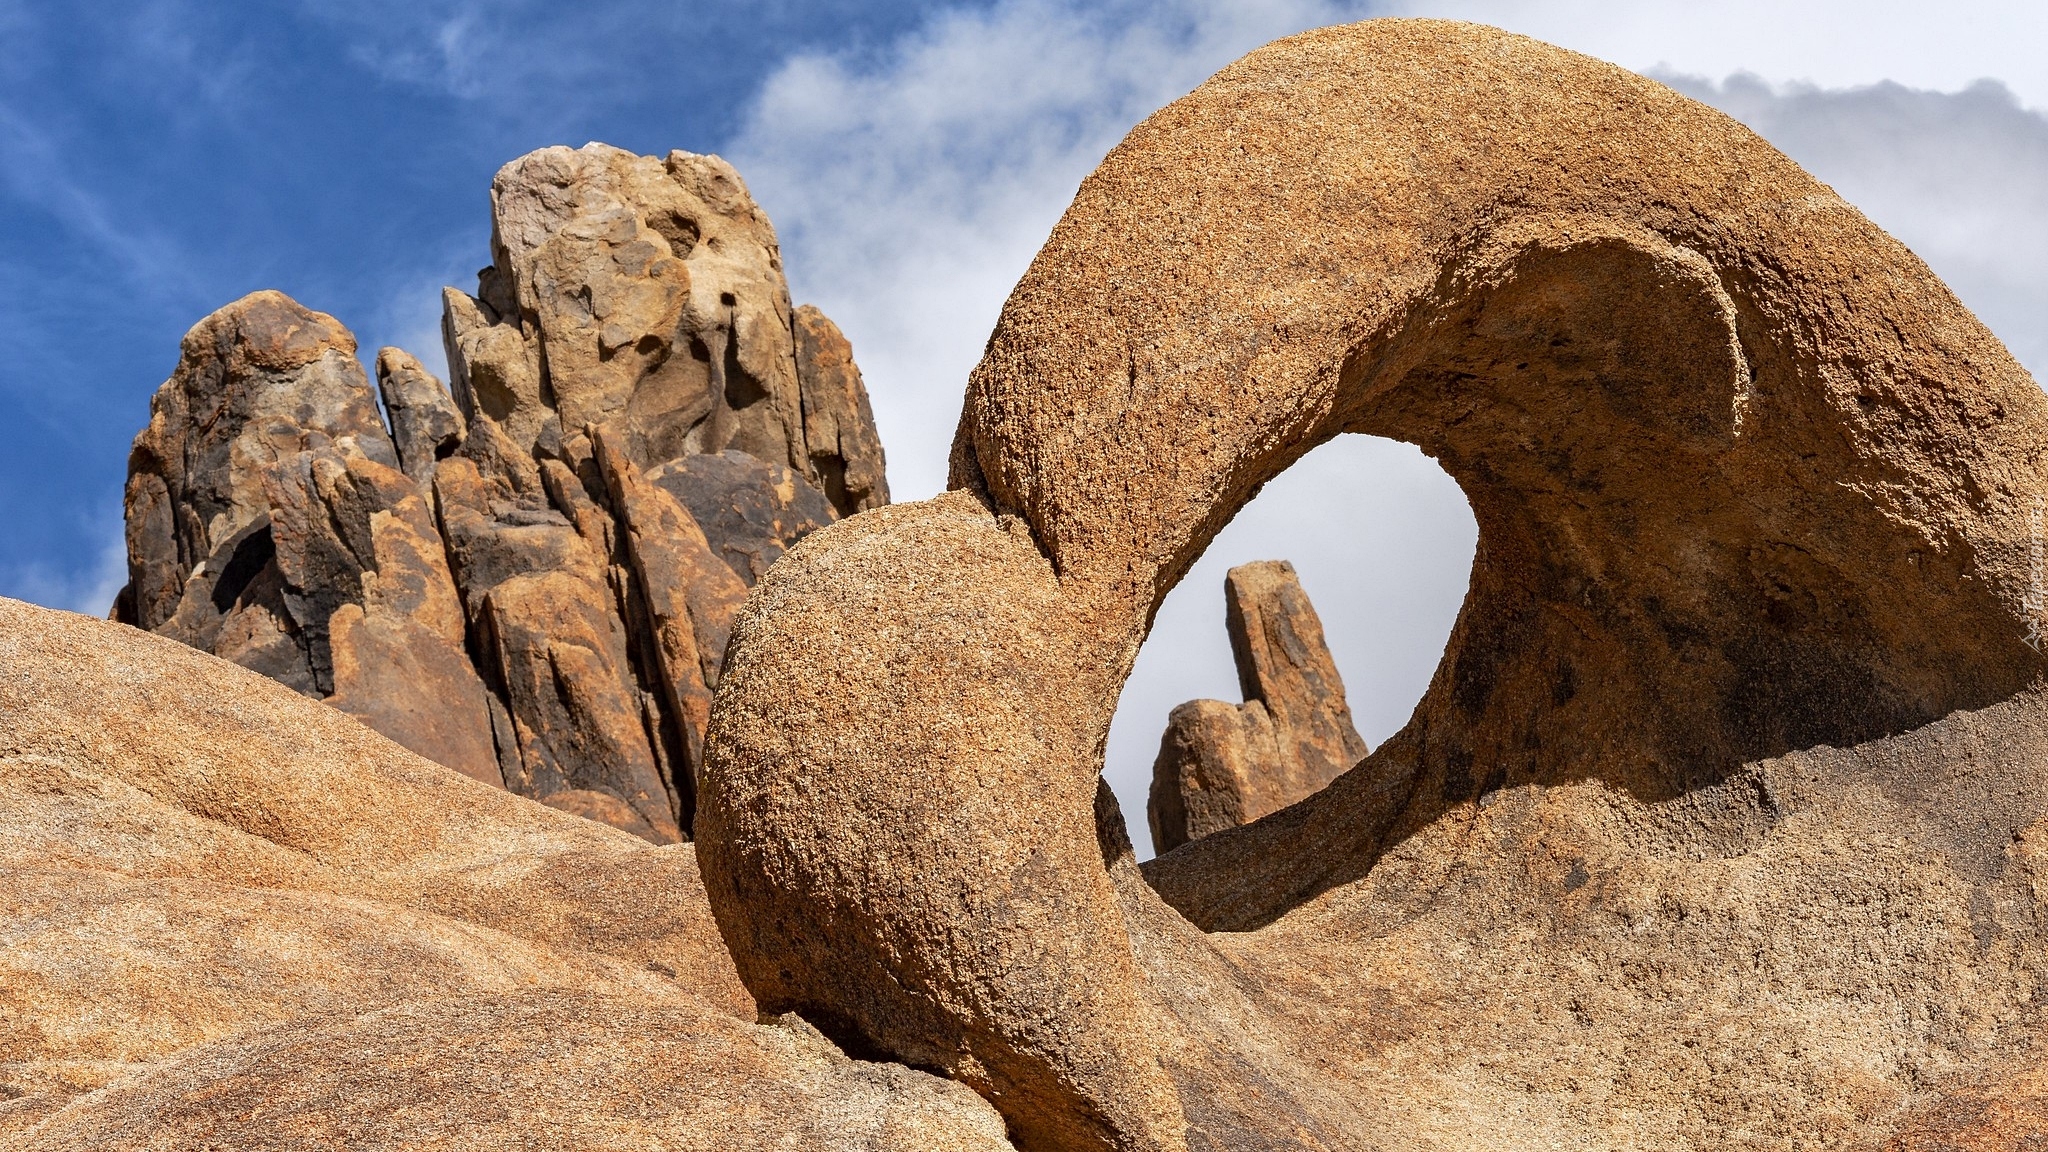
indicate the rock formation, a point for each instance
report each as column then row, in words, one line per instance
column 512, row 580
column 1720, row 823
column 1221, row 765
column 1722, row 826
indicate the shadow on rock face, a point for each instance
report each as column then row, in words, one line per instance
column 1748, row 482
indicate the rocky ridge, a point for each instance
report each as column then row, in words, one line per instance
column 529, row 576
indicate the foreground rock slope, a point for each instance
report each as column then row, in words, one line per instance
column 234, row 917
column 530, row 580
column 1721, row 823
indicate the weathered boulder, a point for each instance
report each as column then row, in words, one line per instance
column 749, row 510
column 1716, row 828
column 1221, row 765
column 512, row 580
column 319, row 565
column 257, row 382
column 236, row 918
column 648, row 293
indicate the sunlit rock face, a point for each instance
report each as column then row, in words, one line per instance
column 1722, row 826
column 513, row 579
column 1734, row 752
column 1222, row 765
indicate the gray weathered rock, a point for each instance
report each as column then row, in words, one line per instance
column 751, row 511
column 839, row 426
column 425, row 422
column 317, row 562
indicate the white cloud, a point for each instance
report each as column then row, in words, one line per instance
column 1960, row 177
column 90, row 591
column 912, row 188
column 1832, row 43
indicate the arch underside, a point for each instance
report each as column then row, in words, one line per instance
column 1652, row 605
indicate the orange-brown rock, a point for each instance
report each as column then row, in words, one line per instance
column 1221, row 765
column 1714, row 829
column 690, row 597
column 570, row 651
column 839, row 425
column 192, row 851
column 257, row 383
column 555, row 649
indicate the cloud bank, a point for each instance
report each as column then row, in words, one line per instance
column 1960, row 177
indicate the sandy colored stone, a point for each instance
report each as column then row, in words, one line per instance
column 1222, row 765
column 530, row 1070
column 1710, row 831
column 192, row 850
column 647, row 294
column 233, row 917
column 652, row 292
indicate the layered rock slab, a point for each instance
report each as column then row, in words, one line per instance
column 555, row 1070
column 1750, row 486
column 233, row 914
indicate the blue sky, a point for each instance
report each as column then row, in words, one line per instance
column 159, row 158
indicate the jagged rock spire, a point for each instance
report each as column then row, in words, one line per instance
column 1221, row 765
column 513, row 579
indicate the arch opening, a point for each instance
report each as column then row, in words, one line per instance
column 1382, row 539
column 1654, row 601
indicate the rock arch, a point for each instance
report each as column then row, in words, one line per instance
column 1749, row 480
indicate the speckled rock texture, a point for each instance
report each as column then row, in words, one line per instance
column 1222, row 765
column 477, row 583
column 232, row 917
column 1721, row 823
